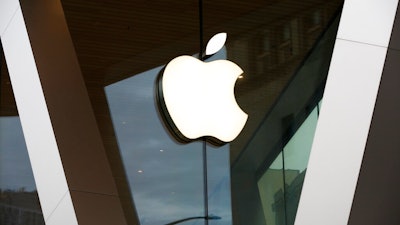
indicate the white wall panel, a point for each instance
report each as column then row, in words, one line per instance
column 346, row 113
column 341, row 134
column 64, row 214
column 368, row 21
column 42, row 147
column 7, row 11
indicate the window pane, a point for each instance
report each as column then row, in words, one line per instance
column 165, row 177
column 219, row 184
column 271, row 188
column 296, row 154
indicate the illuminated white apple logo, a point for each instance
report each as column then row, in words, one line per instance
column 197, row 98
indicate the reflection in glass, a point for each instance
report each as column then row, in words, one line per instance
column 271, row 188
column 296, row 154
column 281, row 184
column 165, row 177
column 299, row 78
column 219, row 182
column 299, row 146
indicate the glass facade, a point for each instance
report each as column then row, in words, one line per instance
column 280, row 185
column 275, row 159
column 280, row 59
column 151, row 154
column 19, row 203
column 164, row 176
column 284, row 49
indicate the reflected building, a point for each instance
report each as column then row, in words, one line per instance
column 20, row 208
column 287, row 199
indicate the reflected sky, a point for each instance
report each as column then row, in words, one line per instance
column 166, row 177
column 297, row 150
column 15, row 167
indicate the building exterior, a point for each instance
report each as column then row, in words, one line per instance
column 81, row 132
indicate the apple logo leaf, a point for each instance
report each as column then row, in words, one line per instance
column 216, row 43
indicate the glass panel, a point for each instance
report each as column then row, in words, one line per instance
column 19, row 203
column 298, row 148
column 278, row 101
column 166, row 178
column 219, row 182
column 280, row 185
column 269, row 41
column 271, row 188
column 296, row 154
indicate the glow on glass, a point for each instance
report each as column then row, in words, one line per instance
column 199, row 97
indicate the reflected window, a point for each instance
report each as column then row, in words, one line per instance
column 281, row 184
column 271, row 188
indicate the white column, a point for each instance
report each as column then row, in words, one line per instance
column 346, row 113
column 43, row 152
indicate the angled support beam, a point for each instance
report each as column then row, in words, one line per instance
column 348, row 105
column 377, row 195
column 43, row 152
column 72, row 173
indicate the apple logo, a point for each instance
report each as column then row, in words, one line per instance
column 197, row 98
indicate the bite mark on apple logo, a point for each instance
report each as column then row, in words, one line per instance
column 197, row 98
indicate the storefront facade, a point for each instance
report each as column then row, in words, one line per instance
column 81, row 128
